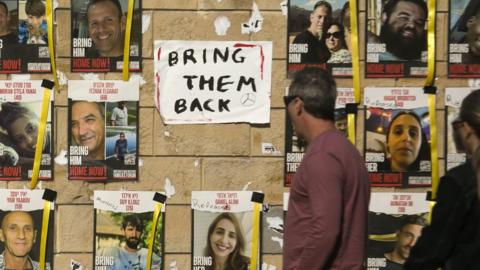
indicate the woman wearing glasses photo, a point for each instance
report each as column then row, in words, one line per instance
column 335, row 42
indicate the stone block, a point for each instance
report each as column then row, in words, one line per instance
column 169, row 4
column 273, row 133
column 180, row 261
column 63, row 37
column 178, row 230
column 274, row 29
column 147, row 37
column 212, row 139
column 264, row 174
column 275, row 260
column 63, row 261
column 280, row 83
column 147, row 90
column 74, row 228
column 146, row 131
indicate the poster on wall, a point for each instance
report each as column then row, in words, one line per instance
column 22, row 210
column 98, row 36
column 463, row 48
column 203, row 82
column 396, row 221
column 272, row 242
column 222, row 224
column 295, row 147
column 396, row 35
column 103, row 130
column 455, row 153
column 397, row 137
column 20, row 110
column 123, row 229
column 319, row 36
column 24, row 37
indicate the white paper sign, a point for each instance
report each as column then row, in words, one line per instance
column 109, row 91
column 22, row 91
column 398, row 203
column 455, row 95
column 222, row 201
column 199, row 82
column 395, row 98
column 125, row 201
column 21, row 200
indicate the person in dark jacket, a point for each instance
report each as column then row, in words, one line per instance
column 452, row 241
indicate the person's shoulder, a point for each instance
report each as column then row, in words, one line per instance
column 462, row 175
column 302, row 37
column 109, row 251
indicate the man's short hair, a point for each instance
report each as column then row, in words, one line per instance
column 324, row 4
column 391, row 4
column 318, row 90
column 35, row 8
column 6, row 213
column 134, row 221
column 115, row 2
column 100, row 106
column 4, row 5
column 413, row 220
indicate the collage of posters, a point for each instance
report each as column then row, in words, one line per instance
column 395, row 223
column 455, row 154
column 98, row 36
column 396, row 37
column 22, row 210
column 123, row 226
column 103, row 130
column 23, row 37
column 222, row 229
column 295, row 147
column 463, row 47
column 20, row 110
column 319, row 36
column 397, row 135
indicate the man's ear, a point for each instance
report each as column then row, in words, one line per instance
column 34, row 236
column 123, row 22
column 298, row 107
column 2, row 239
column 384, row 17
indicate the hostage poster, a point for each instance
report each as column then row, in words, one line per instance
column 454, row 151
column 222, row 229
column 22, row 210
column 23, row 37
column 395, row 222
column 103, row 130
column 319, row 35
column 397, row 137
column 20, row 110
column 396, row 36
column 123, row 227
column 203, row 82
column 295, row 147
column 98, row 36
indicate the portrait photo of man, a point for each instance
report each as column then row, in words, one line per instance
column 402, row 30
column 466, row 31
column 88, row 128
column 18, row 235
column 119, row 115
column 7, row 36
column 130, row 253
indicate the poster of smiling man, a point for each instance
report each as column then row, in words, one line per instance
column 20, row 110
column 124, row 227
column 98, row 35
column 21, row 213
column 319, row 35
column 396, row 35
column 103, row 130
column 222, row 230
column 203, row 82
column 397, row 137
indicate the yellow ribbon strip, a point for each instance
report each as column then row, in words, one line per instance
column 255, row 235
column 383, row 237
column 151, row 240
column 40, row 138
column 49, row 15
column 431, row 43
column 354, row 50
column 433, row 143
column 126, row 46
column 351, row 127
column 430, row 205
column 43, row 238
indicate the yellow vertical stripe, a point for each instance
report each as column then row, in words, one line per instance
column 354, row 50
column 40, row 138
column 126, row 45
column 433, row 143
column 44, row 235
column 431, row 43
column 49, row 17
column 351, row 127
column 151, row 240
column 255, row 235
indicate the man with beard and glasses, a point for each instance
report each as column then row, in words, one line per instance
column 403, row 30
column 130, row 255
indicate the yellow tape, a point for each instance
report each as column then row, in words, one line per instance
column 49, row 15
column 431, row 43
column 43, row 238
column 354, row 50
column 151, row 240
column 383, row 237
column 431, row 205
column 40, row 138
column 126, row 45
column 255, row 235
column 351, row 127
column 433, row 143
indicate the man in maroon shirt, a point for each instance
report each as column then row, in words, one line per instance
column 326, row 223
